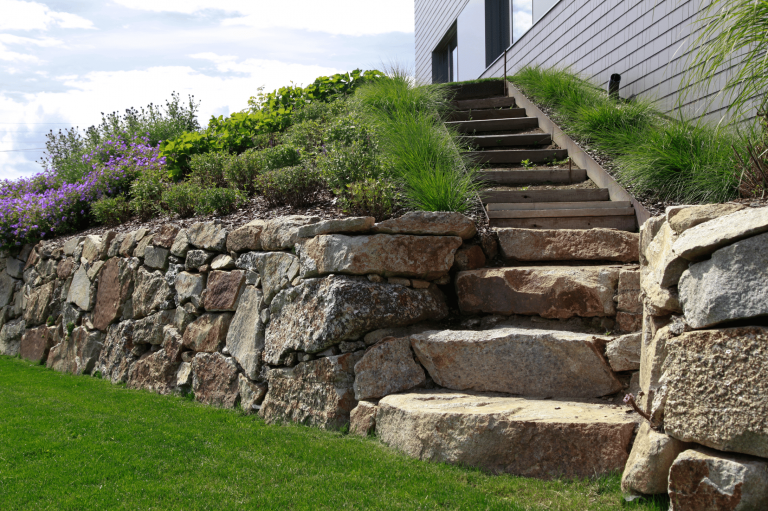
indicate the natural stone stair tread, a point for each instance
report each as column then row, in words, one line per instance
column 562, row 213
column 495, row 102
column 524, row 196
column 511, row 140
column 518, row 155
column 572, row 439
column 624, row 223
column 518, row 123
column 519, row 361
column 569, row 245
column 483, row 115
column 522, row 177
column 526, row 206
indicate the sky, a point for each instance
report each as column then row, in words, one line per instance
column 62, row 63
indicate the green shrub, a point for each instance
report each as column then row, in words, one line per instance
column 372, row 197
column 219, row 201
column 240, row 170
column 112, row 210
column 342, row 164
column 207, row 169
column 147, row 193
column 278, row 157
column 297, row 186
column 180, row 199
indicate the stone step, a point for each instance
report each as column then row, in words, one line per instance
column 518, row 155
column 540, row 206
column 545, row 439
column 524, row 139
column 622, row 223
column 562, row 213
column 483, row 115
column 569, row 245
column 560, row 292
column 473, row 104
column 532, row 177
column 522, row 123
column 519, row 361
column 523, row 196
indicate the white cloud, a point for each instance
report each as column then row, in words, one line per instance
column 347, row 17
column 19, row 15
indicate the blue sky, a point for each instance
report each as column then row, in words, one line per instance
column 62, row 63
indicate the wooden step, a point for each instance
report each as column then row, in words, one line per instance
column 530, row 177
column 511, row 140
column 601, row 194
column 539, row 206
column 562, row 213
column 518, row 156
column 519, row 123
column 623, row 223
column 473, row 104
column 482, row 115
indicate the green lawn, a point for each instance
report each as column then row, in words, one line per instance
column 75, row 442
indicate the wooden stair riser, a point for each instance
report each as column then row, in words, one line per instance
column 474, row 104
column 548, row 206
column 484, row 115
column 561, row 213
column 528, row 196
column 497, row 141
column 623, row 223
column 514, row 124
column 519, row 156
column 532, row 177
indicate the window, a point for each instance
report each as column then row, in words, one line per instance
column 445, row 59
column 496, row 29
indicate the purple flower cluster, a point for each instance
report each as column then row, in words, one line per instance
column 44, row 206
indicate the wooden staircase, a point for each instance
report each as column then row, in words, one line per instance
column 515, row 153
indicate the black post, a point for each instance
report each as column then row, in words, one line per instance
column 613, row 86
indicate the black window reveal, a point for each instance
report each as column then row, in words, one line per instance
column 445, row 61
column 497, row 18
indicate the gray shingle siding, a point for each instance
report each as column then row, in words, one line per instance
column 646, row 41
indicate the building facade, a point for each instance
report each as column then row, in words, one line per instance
column 647, row 42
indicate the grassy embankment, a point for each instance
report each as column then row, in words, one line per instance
column 69, row 442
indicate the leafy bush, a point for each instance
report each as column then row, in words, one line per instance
column 376, row 198
column 279, row 157
column 147, row 192
column 112, row 210
column 181, row 198
column 342, row 165
column 297, row 186
column 241, row 170
column 220, row 201
column 207, row 169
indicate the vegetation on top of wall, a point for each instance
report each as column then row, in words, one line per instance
column 674, row 160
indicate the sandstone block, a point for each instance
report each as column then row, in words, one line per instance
column 156, row 372
column 78, row 353
column 184, row 376
column 167, row 236
column 245, row 338
column 704, row 480
column 10, row 337
column 208, row 236
column 156, row 257
column 339, row 226
column 115, row 288
column 700, row 241
column 81, row 292
column 729, row 286
column 251, row 394
column 14, row 267
column 317, row 393
column 469, row 258
column 682, row 218
column 630, row 292
column 542, row 439
column 649, row 462
column 569, row 245
column 421, row 257
column 36, row 343
column 130, row 241
column 517, row 361
column 119, row 352
column 181, row 244
column 628, row 322
column 223, row 262
column 282, row 233
column 196, row 259
column 215, row 380
column 321, row 313
column 151, row 293
column 716, row 388
column 387, row 368
column 624, row 353
column 362, row 419
column 189, row 288
column 547, row 291
column 71, row 244
column 40, row 304
column 91, row 248
column 429, row 223
column 246, row 238
column 224, row 289
column 7, row 288
column 149, row 330
column 653, row 353
column 207, row 333
column 114, row 247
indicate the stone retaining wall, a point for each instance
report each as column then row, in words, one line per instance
column 704, row 359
